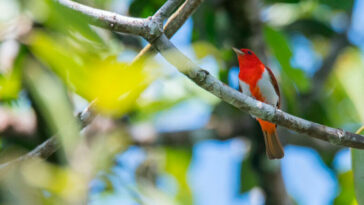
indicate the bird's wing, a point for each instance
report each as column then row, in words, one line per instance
column 275, row 85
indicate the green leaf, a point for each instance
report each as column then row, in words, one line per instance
column 10, row 83
column 347, row 193
column 357, row 160
column 114, row 85
column 350, row 73
column 280, row 48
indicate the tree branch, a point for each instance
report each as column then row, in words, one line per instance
column 173, row 24
column 256, row 108
column 115, row 22
column 166, row 10
column 51, row 145
column 146, row 28
column 43, row 150
column 243, row 102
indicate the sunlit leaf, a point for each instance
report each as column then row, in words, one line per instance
column 10, row 85
column 358, row 167
column 357, row 161
column 113, row 85
column 350, row 73
column 10, row 82
column 347, row 194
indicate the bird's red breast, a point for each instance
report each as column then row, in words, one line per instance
column 258, row 81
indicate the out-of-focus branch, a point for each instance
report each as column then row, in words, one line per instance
column 180, row 16
column 243, row 102
column 43, row 150
column 51, row 145
column 339, row 43
column 113, row 22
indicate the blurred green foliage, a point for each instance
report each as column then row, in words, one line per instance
column 280, row 49
column 145, row 8
column 248, row 176
column 10, row 83
column 177, row 164
column 62, row 45
column 357, row 158
column 347, row 194
column 91, row 75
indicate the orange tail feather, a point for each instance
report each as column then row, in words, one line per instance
column 273, row 146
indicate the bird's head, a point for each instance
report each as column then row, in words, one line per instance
column 247, row 58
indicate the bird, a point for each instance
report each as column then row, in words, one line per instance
column 257, row 80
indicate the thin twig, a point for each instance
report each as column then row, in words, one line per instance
column 173, row 24
column 51, row 145
column 166, row 10
column 361, row 129
column 205, row 80
column 241, row 101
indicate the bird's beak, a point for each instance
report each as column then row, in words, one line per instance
column 238, row 52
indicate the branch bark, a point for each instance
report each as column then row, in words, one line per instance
column 205, row 80
column 256, row 108
column 173, row 24
column 146, row 28
column 201, row 77
column 166, row 10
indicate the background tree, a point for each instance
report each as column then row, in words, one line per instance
column 162, row 125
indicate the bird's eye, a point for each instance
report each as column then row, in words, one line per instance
column 249, row 52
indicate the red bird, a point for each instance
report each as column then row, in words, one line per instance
column 258, row 81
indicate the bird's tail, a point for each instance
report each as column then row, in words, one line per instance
column 273, row 146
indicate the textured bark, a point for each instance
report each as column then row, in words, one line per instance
column 149, row 29
column 245, row 103
column 173, row 24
